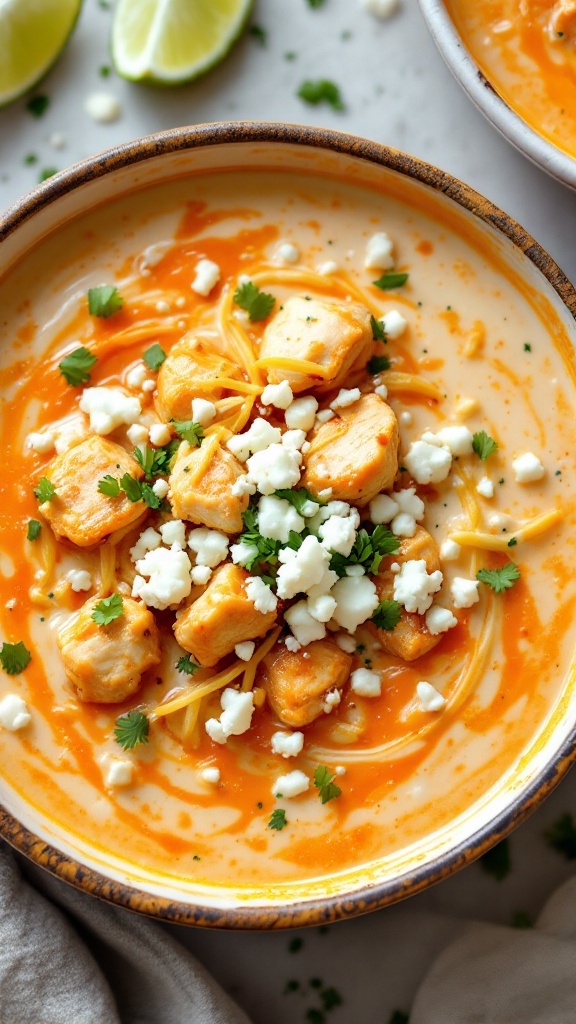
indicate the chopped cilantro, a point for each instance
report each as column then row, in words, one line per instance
column 299, row 498
column 38, row 105
column 512, row 542
column 34, row 528
column 378, row 331
column 185, row 664
column 76, row 366
column 266, row 550
column 278, row 819
column 104, row 301
column 315, row 982
column 156, row 462
column 331, row 998
column 131, row 729
column 399, row 1017
column 377, row 364
column 14, row 658
column 105, row 71
column 368, row 550
column 290, row 55
column 30, row 159
column 154, row 356
column 259, row 34
column 291, row 986
column 257, row 304
column 316, row 3
column 562, row 836
column 324, row 782
column 496, row 862
column 189, row 431
column 391, row 280
column 314, row 1016
column 321, row 90
column 45, row 490
column 387, row 615
column 149, row 497
column 108, row 609
column 483, row 445
column 47, row 172
column 527, row 346
column 499, row 579
column 132, row 488
column 295, row 944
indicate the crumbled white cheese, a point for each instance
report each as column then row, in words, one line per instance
column 409, row 502
column 243, row 553
column 355, row 570
column 206, row 277
column 429, row 697
column 277, row 517
column 300, row 415
column 331, row 700
column 200, row 574
column 382, row 391
column 136, row 376
column 147, row 541
column 211, row 546
column 57, row 140
column 260, row 595
column 345, row 397
column 278, row 395
column 458, row 440
column 357, row 599
column 211, row 775
column 173, row 534
column 340, row 770
column 321, row 607
column 292, row 644
column 162, row 306
column 485, row 487
column 379, row 252
column 291, row 785
column 333, row 508
column 41, row 442
column 169, row 578
column 79, row 579
column 203, row 411
column 137, row 434
column 338, row 534
column 237, row 710
column 160, row 434
column 323, row 416
column 427, row 463
column 242, row 486
column 276, row 468
column 464, row 592
column 301, row 569
column 414, row 585
column 109, row 408
column 450, row 550
column 102, row 107
column 381, row 9
column 257, row 438
column 440, row 620
column 527, row 468
column 120, row 772
column 293, row 440
column 382, row 509
column 304, row 626
column 14, row 713
column 149, row 385
column 160, row 488
column 403, row 525
column 288, row 253
column 288, row 744
column 245, row 650
column 346, row 643
column 326, row 268
column 394, row 324
column 366, row 683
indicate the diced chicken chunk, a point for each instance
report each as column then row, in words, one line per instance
column 336, row 335
column 297, row 682
column 356, row 453
column 106, row 663
column 189, row 371
column 222, row 617
column 201, row 490
column 79, row 511
column 410, row 639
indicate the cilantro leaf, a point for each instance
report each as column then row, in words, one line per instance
column 387, row 615
column 38, row 105
column 368, row 550
column 156, row 462
column 483, row 445
column 34, row 528
column 76, row 366
column 131, row 729
column 378, row 330
column 104, row 301
column 185, row 664
column 391, row 280
column 321, row 90
column 109, row 486
column 496, row 862
column 132, row 488
column 300, row 499
column 189, row 431
column 399, row 1017
column 259, row 34
column 316, row 3
column 499, row 579
column 257, row 304
column 149, row 497
column 45, row 490
column 154, row 356
column 324, row 782
column 331, row 998
column 561, row 836
column 14, row 658
column 278, row 819
column 377, row 364
column 108, row 609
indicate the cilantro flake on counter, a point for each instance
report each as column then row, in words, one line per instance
column 500, row 579
column 378, row 330
column 483, row 445
column 104, row 301
column 316, row 3
column 38, row 105
column 34, row 528
column 324, row 782
column 561, row 836
column 185, row 664
column 154, row 356
column 278, row 819
column 391, row 280
column 314, row 1016
column 47, row 172
column 108, row 609
column 496, row 862
column 45, row 490
column 399, row 1017
column 257, row 304
column 131, row 730
column 331, row 998
column 76, row 366
column 189, row 431
column 259, row 34
column 295, row 944
column 14, row 658
column 321, row 90
column 387, row 615
column 378, row 364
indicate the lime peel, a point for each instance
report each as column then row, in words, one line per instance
column 33, row 34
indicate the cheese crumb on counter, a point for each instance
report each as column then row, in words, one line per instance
column 14, row 714
column 102, row 107
column 290, row 785
column 206, row 277
column 288, row 744
column 429, row 697
column 527, row 468
column 381, row 9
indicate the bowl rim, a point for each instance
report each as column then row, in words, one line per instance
column 373, row 896
column 482, row 92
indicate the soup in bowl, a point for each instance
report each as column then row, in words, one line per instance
column 286, row 591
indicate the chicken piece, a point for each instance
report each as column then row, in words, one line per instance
column 222, row 617
column 106, row 663
column 201, row 487
column 337, row 335
column 297, row 682
column 410, row 639
column 79, row 511
column 189, row 371
column 356, row 453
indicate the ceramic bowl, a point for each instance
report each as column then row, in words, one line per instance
column 182, row 152
column 483, row 94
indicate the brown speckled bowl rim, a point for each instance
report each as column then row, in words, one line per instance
column 315, row 911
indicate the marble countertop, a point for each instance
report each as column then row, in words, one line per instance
column 396, row 90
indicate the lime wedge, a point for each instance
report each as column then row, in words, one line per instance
column 33, row 33
column 173, row 41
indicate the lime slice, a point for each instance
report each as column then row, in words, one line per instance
column 173, row 41
column 33, row 33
